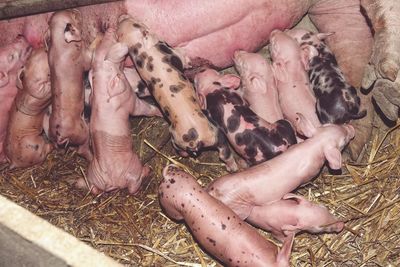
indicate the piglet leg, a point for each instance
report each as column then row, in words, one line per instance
column 142, row 108
column 226, row 155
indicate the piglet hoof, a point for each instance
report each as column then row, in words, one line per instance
column 3, row 158
column 231, row 166
column 388, row 68
column 243, row 164
column 81, row 184
column 84, row 151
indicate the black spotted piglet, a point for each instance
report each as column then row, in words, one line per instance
column 161, row 68
column 253, row 138
column 337, row 101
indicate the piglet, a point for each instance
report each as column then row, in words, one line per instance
column 138, row 88
column 215, row 226
column 12, row 58
column 115, row 164
column 68, row 59
column 255, row 139
column 289, row 67
column 161, row 67
column 293, row 214
column 247, row 192
column 258, row 85
column 25, row 145
column 337, row 100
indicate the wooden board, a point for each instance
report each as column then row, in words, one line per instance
column 19, row 8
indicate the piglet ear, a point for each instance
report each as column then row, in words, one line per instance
column 297, row 198
column 304, row 126
column 230, row 81
column 258, row 84
column 20, row 77
column 116, row 86
column 334, row 157
column 47, row 39
column 307, row 53
column 322, row 36
column 4, row 79
column 202, row 101
column 71, row 33
column 117, row 53
column 279, row 70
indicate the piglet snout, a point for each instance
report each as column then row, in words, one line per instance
column 333, row 227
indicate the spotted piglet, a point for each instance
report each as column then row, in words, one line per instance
column 161, row 68
column 337, row 101
column 215, row 226
column 25, row 144
column 255, row 139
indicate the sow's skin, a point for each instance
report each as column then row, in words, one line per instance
column 68, row 59
column 253, row 138
column 248, row 192
column 12, row 59
column 289, row 64
column 25, row 144
column 293, row 214
column 337, row 100
column 258, row 85
column 216, row 227
column 162, row 69
column 115, row 164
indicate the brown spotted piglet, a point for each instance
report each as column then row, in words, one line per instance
column 115, row 164
column 253, row 138
column 251, row 191
column 25, row 144
column 12, row 59
column 161, row 68
column 68, row 59
column 216, row 227
column 337, row 100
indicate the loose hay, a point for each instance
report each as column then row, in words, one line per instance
column 134, row 231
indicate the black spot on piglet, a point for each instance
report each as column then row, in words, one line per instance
column 177, row 63
column 164, row 48
column 212, row 241
column 191, row 135
column 176, row 88
column 233, row 121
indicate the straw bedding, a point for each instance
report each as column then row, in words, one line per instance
column 134, row 231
